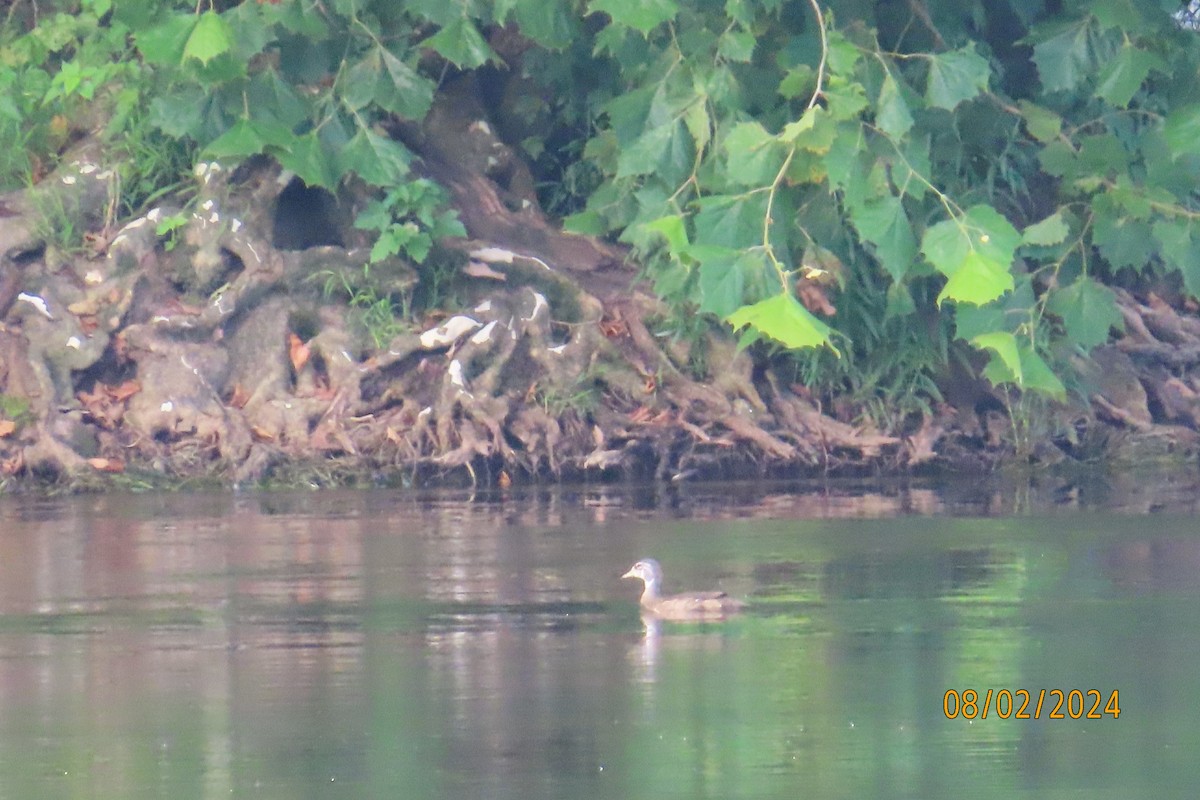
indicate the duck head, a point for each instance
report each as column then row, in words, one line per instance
column 650, row 573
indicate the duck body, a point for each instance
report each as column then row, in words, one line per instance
column 686, row 606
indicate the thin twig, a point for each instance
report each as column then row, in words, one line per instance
column 812, row 101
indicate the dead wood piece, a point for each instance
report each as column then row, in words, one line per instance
column 1115, row 413
column 1166, row 324
column 1159, row 353
column 751, row 432
column 920, row 444
column 1179, row 402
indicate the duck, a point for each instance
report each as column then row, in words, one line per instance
column 686, row 606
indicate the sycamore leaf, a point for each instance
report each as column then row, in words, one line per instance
column 975, row 252
column 1122, row 76
column 736, row 46
column 401, row 89
column 783, row 318
column 240, row 140
column 731, row 220
column 1180, row 251
column 1051, row 230
column 1087, row 309
column 163, row 45
column 665, row 150
column 641, row 15
column 459, row 43
column 883, row 223
column 672, row 229
column 956, row 76
column 1123, row 241
column 1016, row 362
column 376, row 159
column 309, row 161
column 1042, row 123
column 211, row 37
column 722, row 279
column 550, row 23
column 1181, row 130
column 1004, row 345
column 754, row 155
column 893, row 116
column 978, row 280
column 1067, row 53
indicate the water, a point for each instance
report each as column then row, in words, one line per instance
column 378, row 645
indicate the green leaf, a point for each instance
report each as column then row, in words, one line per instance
column 587, row 223
column 268, row 94
column 1181, row 130
column 981, row 229
column 240, row 140
column 956, row 76
column 1123, row 241
column 1004, row 345
column 798, row 82
column 698, row 124
column 1038, row 375
column 978, row 280
column 754, row 155
column 665, row 151
column 163, row 45
column 459, row 43
column 781, row 317
column 309, row 161
column 1067, row 54
column 641, row 15
column 1180, row 250
column 1087, row 309
column 975, row 252
column 734, row 221
column 211, row 37
column 845, row 101
column 1051, row 230
column 376, row 159
column 401, row 90
column 1123, row 75
column 736, row 46
column 550, row 23
column 251, row 30
column 1015, row 361
column 815, row 131
column 178, row 112
column 672, row 229
column 892, row 114
column 883, row 223
column 722, row 279
column 1042, row 123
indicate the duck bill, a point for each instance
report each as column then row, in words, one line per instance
column 630, row 574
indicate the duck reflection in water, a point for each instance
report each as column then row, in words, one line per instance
column 686, row 607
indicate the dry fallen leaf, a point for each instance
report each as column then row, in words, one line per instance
column 107, row 464
column 504, row 480
column 240, row 396
column 261, row 434
column 297, row 352
column 7, row 426
column 124, row 391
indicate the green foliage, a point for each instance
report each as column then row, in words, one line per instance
column 409, row 220
column 900, row 152
column 981, row 170
column 16, row 410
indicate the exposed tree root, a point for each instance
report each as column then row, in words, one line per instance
column 219, row 355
